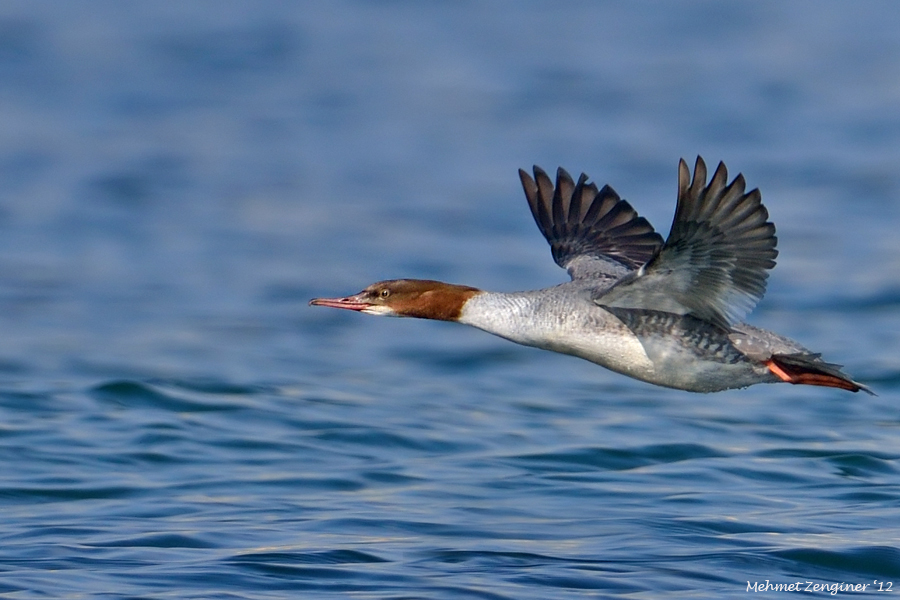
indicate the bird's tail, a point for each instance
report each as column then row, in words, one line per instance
column 810, row 369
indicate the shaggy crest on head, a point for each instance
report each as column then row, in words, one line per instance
column 663, row 311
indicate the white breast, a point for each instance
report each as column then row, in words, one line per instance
column 561, row 323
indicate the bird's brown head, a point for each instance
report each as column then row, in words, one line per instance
column 421, row 298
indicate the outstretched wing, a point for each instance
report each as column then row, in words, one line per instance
column 714, row 263
column 591, row 233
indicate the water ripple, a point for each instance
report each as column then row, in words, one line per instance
column 869, row 561
column 617, row 459
column 179, row 179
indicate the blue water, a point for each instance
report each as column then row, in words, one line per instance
column 178, row 179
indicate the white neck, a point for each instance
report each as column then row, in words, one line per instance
column 513, row 316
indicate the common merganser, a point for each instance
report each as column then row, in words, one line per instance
column 667, row 313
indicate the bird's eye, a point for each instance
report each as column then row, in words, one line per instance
column 385, row 293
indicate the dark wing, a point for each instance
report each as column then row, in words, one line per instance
column 714, row 263
column 591, row 233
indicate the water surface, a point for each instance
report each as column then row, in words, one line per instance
column 179, row 179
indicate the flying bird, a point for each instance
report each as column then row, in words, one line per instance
column 664, row 312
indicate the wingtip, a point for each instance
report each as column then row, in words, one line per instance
column 721, row 172
column 562, row 176
column 684, row 177
column 699, row 180
column 526, row 179
column 529, row 185
column 578, row 219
